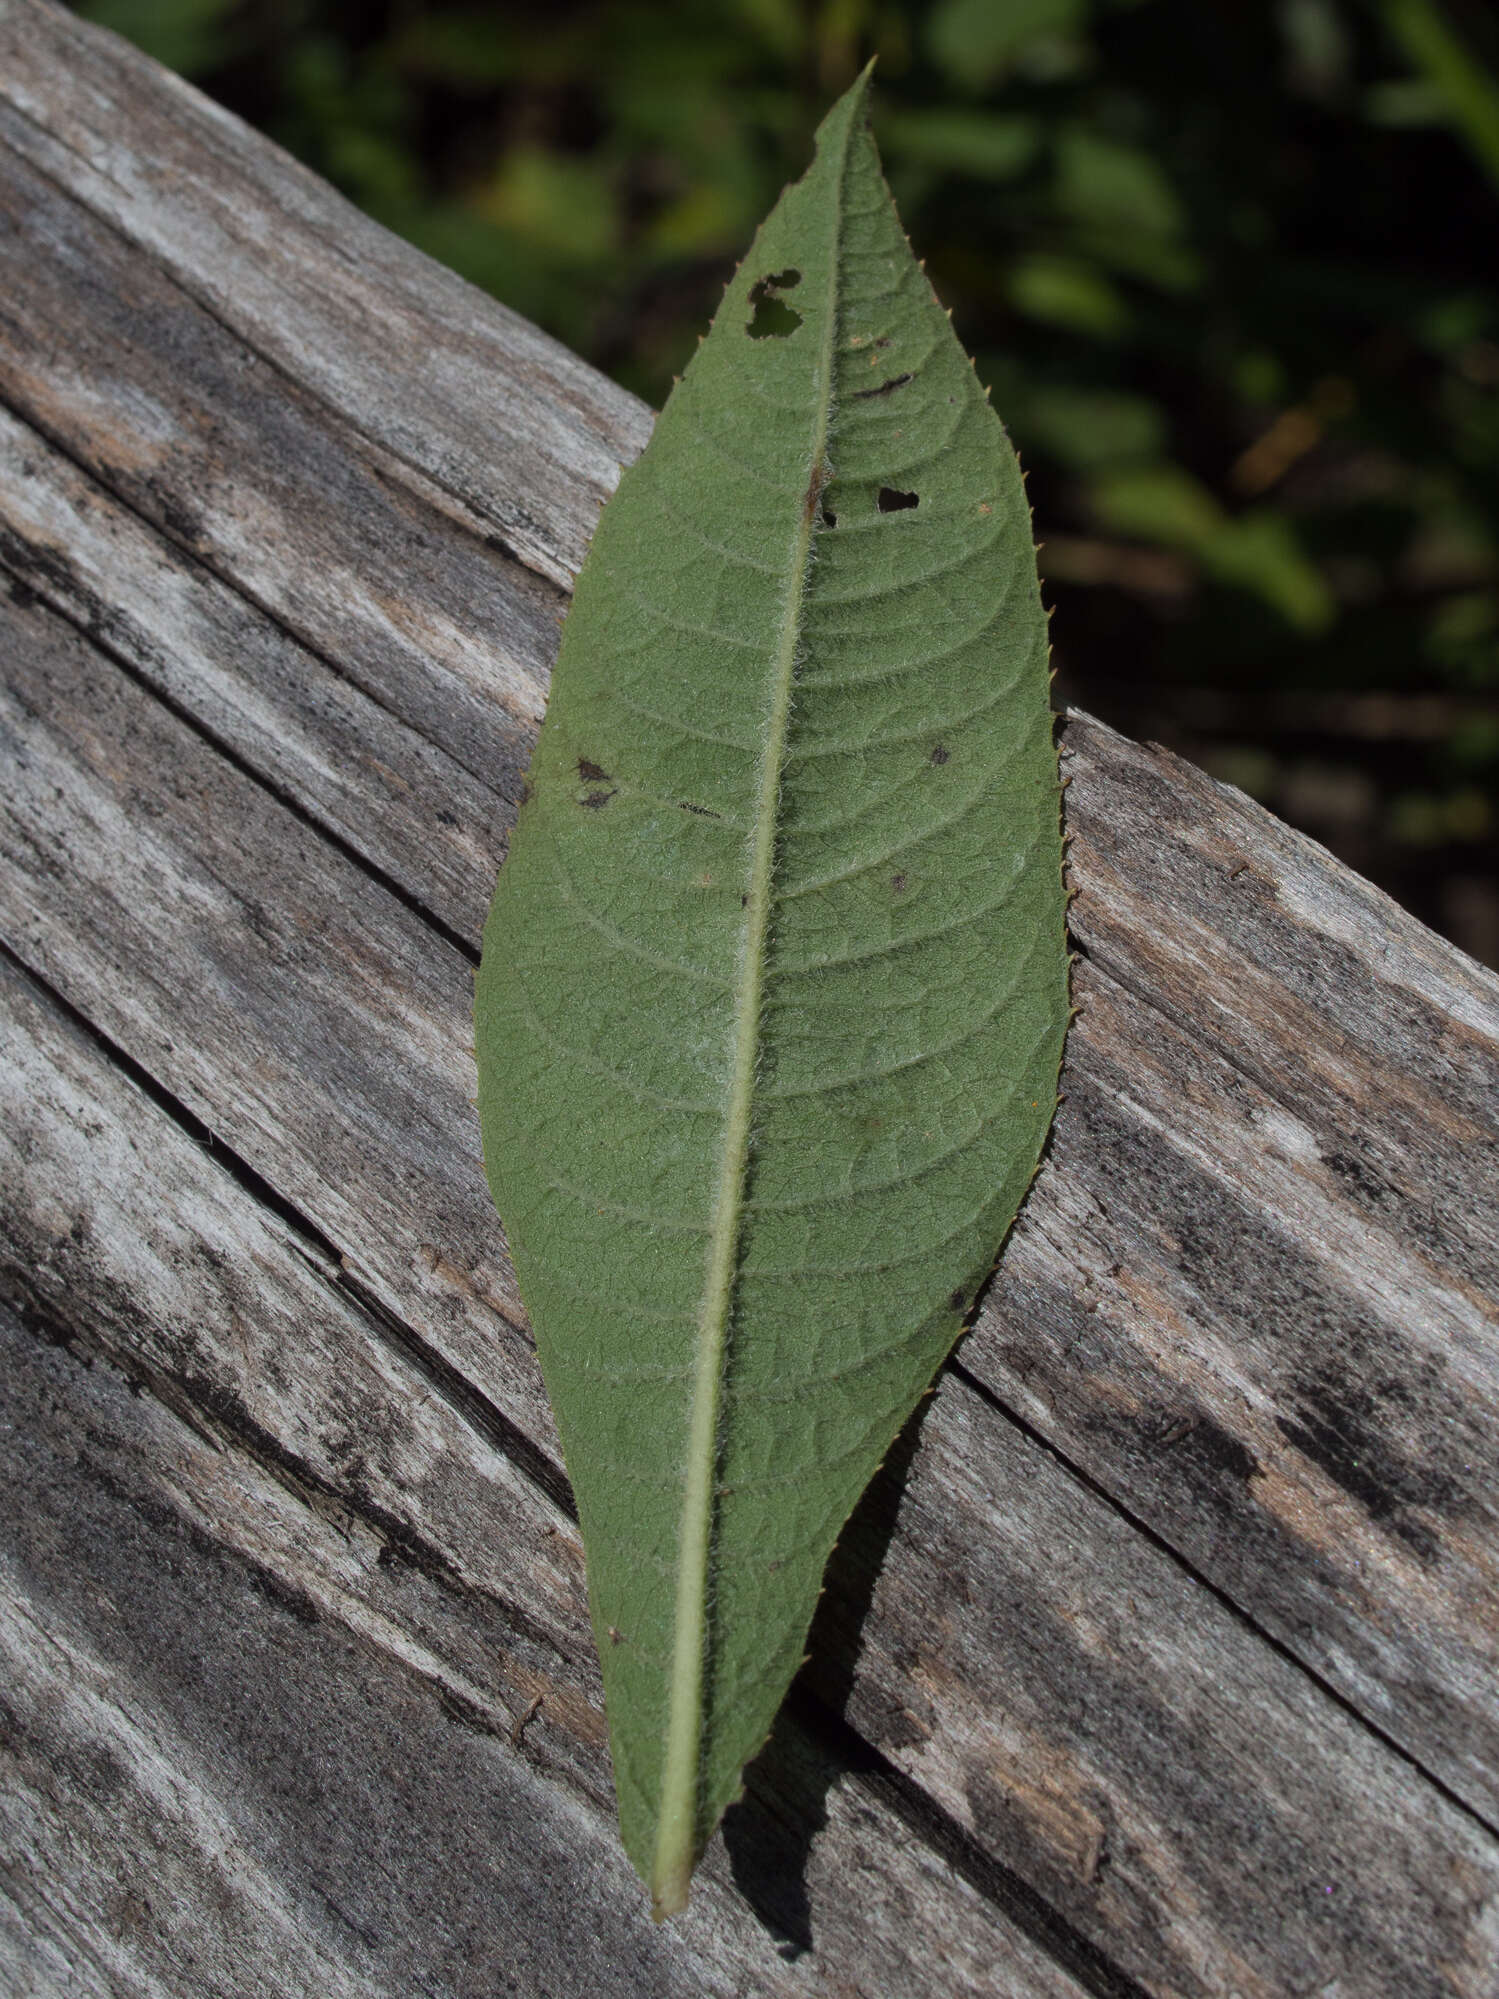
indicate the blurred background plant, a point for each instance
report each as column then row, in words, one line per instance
column 1228, row 270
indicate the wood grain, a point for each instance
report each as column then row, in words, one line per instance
column 270, row 1492
column 222, row 951
column 499, row 426
column 1169, row 1663
column 297, row 721
column 377, row 624
column 1257, row 1297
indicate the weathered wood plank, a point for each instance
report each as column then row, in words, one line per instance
column 315, row 1022
column 1325, row 1569
column 256, row 975
column 466, row 404
column 1251, row 1298
column 228, row 1792
column 39, row 1962
column 412, row 813
column 1257, row 1295
column 429, row 633
column 284, row 1444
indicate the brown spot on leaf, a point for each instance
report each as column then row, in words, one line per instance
column 595, row 801
column 940, row 753
column 704, row 811
column 895, row 382
column 898, row 883
column 814, row 490
column 957, row 1301
column 592, row 773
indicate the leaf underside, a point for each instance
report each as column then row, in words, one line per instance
column 774, row 986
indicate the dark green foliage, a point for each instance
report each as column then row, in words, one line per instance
column 1228, row 270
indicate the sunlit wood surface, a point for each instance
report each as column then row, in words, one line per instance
column 1164, row 1656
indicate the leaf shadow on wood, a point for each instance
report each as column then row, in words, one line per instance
column 769, row 1833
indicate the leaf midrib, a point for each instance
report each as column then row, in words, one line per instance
column 681, row 1778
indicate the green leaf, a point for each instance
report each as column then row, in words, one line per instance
column 187, row 35
column 1067, row 293
column 1113, row 186
column 981, row 143
column 563, row 205
column 1469, row 93
column 977, row 41
column 1089, row 428
column 1255, row 551
column 774, row 985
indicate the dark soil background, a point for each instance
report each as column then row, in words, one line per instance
column 1229, row 271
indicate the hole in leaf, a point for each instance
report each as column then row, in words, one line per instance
column 773, row 319
column 829, row 518
column 892, row 502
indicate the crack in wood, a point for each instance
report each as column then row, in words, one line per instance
column 1267, row 1051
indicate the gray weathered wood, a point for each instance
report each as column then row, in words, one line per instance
column 1179, row 1669
column 500, row 427
column 1257, row 1297
column 307, row 1465
column 184, row 371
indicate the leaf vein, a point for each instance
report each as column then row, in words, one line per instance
column 617, row 938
